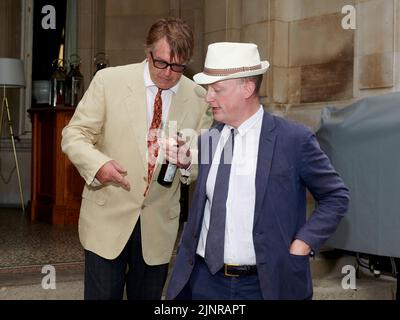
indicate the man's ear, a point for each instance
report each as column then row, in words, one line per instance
column 249, row 87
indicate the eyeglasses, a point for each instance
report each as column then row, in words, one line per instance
column 161, row 64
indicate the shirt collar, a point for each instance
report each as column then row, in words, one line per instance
column 148, row 83
column 250, row 122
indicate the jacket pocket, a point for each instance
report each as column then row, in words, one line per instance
column 299, row 263
column 174, row 211
column 96, row 196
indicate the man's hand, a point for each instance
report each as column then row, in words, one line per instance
column 177, row 152
column 112, row 172
column 299, row 248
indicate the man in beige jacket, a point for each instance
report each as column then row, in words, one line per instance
column 128, row 223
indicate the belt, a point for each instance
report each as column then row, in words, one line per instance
column 234, row 270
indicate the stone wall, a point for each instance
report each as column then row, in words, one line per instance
column 193, row 12
column 315, row 62
column 127, row 23
column 119, row 28
column 377, row 47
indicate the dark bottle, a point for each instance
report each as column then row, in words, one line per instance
column 100, row 61
column 167, row 174
column 57, row 84
column 168, row 170
column 74, row 83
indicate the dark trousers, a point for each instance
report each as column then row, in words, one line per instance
column 106, row 279
column 205, row 286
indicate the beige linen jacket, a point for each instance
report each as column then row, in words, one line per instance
column 110, row 123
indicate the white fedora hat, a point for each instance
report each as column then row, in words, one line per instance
column 229, row 60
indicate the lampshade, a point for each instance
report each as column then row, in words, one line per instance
column 11, row 73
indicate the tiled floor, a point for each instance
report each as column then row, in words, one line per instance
column 25, row 247
column 23, row 243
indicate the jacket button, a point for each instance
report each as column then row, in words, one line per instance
column 191, row 262
column 143, row 206
column 195, row 236
column 145, row 179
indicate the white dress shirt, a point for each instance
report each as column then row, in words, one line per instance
column 239, row 247
column 151, row 92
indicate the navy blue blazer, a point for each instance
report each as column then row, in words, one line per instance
column 289, row 161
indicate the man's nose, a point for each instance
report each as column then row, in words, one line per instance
column 208, row 96
column 168, row 71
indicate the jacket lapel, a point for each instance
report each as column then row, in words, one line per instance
column 265, row 155
column 135, row 105
column 178, row 110
column 208, row 145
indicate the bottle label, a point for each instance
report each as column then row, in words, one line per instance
column 170, row 173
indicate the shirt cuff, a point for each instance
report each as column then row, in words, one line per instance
column 186, row 172
column 95, row 183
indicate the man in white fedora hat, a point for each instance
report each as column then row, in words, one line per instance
column 247, row 236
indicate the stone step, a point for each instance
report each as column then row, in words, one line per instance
column 324, row 289
column 367, row 287
column 330, row 264
column 25, row 283
column 71, row 290
column 331, row 268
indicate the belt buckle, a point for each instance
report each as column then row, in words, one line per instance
column 226, row 270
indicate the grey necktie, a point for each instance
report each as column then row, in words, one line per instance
column 214, row 253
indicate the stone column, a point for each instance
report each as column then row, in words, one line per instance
column 192, row 11
column 91, row 34
column 258, row 28
column 376, row 47
column 222, row 21
column 127, row 24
